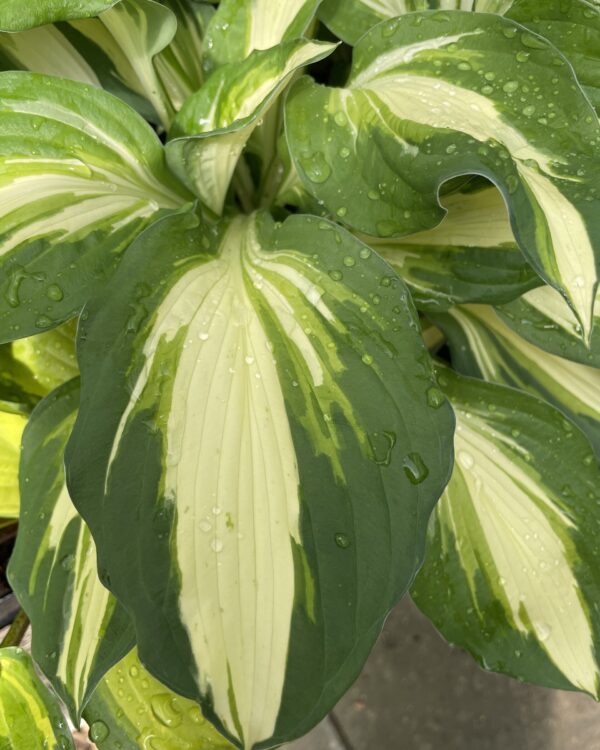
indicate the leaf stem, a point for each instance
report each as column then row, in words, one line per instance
column 16, row 631
column 244, row 186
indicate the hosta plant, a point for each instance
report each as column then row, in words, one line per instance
column 297, row 315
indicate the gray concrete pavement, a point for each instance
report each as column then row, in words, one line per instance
column 418, row 693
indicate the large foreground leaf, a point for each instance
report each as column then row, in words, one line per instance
column 79, row 632
column 18, row 16
column 132, row 710
column 484, row 346
column 270, row 427
column 80, row 175
column 30, row 717
column 471, row 256
column 511, row 572
column 215, row 124
column 432, row 95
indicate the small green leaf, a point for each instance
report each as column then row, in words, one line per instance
column 80, row 175
column 272, row 382
column 30, row 717
column 78, row 630
column 511, row 570
column 130, row 709
column 212, row 129
column 436, row 94
column 471, row 256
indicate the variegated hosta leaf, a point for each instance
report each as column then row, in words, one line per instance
column 270, row 427
column 78, row 630
column 80, row 175
column 436, row 94
column 11, row 430
column 114, row 51
column 49, row 357
column 30, row 717
column 350, row 19
column 574, row 27
column 131, row 710
column 130, row 34
column 215, row 124
column 484, row 346
column 240, row 27
column 18, row 16
column 511, row 571
column 179, row 65
column 543, row 318
column 471, row 256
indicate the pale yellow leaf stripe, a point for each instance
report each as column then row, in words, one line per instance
column 441, row 104
column 533, row 561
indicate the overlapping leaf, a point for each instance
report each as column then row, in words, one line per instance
column 484, row 346
column 80, row 175
column 350, row 19
column 18, row 16
column 179, row 65
column 214, row 125
column 79, row 631
column 49, row 357
column 471, row 256
column 436, row 94
column 130, row 709
column 543, row 318
column 30, row 717
column 511, row 571
column 240, row 27
column 270, row 427
column 116, row 51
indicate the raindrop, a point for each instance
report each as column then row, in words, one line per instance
column 164, row 707
column 342, row 540
column 435, row 397
column 68, row 562
column 466, row 460
column 99, row 731
column 415, row 468
column 54, row 292
column 543, row 631
column 316, row 168
column 216, row 545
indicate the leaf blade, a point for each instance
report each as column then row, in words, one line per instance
column 78, row 630
column 284, row 404
column 509, row 573
column 389, row 115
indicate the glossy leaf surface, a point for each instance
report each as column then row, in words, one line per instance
column 270, row 387
column 436, row 94
column 78, row 630
column 511, row 572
